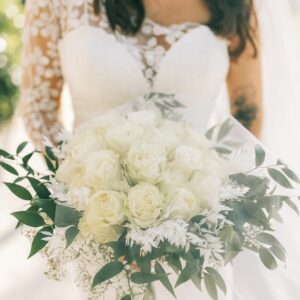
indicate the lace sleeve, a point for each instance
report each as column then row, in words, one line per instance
column 42, row 80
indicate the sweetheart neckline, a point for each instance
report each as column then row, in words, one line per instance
column 168, row 52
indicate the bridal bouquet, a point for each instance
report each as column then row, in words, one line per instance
column 130, row 199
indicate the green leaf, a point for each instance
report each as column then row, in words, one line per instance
column 222, row 150
column 50, row 153
column 48, row 206
column 260, row 155
column 66, row 216
column 289, row 173
column 9, row 168
column 145, row 278
column 29, row 218
column 127, row 297
column 218, row 279
column 21, row 147
column 27, row 158
column 38, row 242
column 164, row 280
column 211, row 286
column 174, row 262
column 19, row 191
column 280, row 178
column 5, row 154
column 71, row 234
column 197, row 280
column 50, row 165
column 224, row 130
column 144, row 263
column 292, row 205
column 109, row 271
column 267, row 258
column 39, row 187
column 210, row 132
column 190, row 270
column 268, row 239
column 279, row 252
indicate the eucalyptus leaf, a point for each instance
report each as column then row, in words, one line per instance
column 222, row 150
column 66, row 216
column 71, row 234
column 218, row 279
column 27, row 158
column 19, row 191
column 291, row 174
column 127, row 297
column 21, row 147
column 267, row 258
column 190, row 270
column 39, row 187
column 292, row 205
column 29, row 218
column 279, row 252
column 224, row 130
column 38, row 242
column 48, row 206
column 174, row 262
column 50, row 153
column 211, row 286
column 280, row 178
column 164, row 280
column 268, row 239
column 9, row 168
column 109, row 271
column 260, row 155
column 6, row 154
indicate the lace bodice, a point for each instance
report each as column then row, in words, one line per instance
column 64, row 39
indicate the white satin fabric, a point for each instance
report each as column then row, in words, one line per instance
column 102, row 74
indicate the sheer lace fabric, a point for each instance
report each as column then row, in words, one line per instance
column 49, row 24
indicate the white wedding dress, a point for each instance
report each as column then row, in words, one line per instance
column 103, row 70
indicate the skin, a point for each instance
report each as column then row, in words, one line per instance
column 244, row 79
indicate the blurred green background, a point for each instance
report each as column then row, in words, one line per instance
column 11, row 23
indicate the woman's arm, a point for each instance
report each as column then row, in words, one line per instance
column 245, row 85
column 42, row 80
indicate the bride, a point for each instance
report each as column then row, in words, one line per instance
column 110, row 52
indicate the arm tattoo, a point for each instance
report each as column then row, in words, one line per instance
column 243, row 108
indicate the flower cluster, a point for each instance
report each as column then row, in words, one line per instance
column 139, row 169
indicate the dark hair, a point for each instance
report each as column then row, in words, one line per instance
column 228, row 18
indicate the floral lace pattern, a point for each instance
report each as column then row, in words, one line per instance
column 47, row 21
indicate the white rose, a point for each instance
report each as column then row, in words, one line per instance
column 188, row 159
column 164, row 136
column 103, row 215
column 78, row 198
column 215, row 165
column 145, row 162
column 102, row 168
column 103, row 123
column 206, row 188
column 121, row 137
column 70, row 172
column 144, row 118
column 195, row 139
column 170, row 180
column 144, row 205
column 84, row 143
column 182, row 204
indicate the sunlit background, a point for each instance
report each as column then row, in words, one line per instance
column 11, row 23
column 13, row 247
